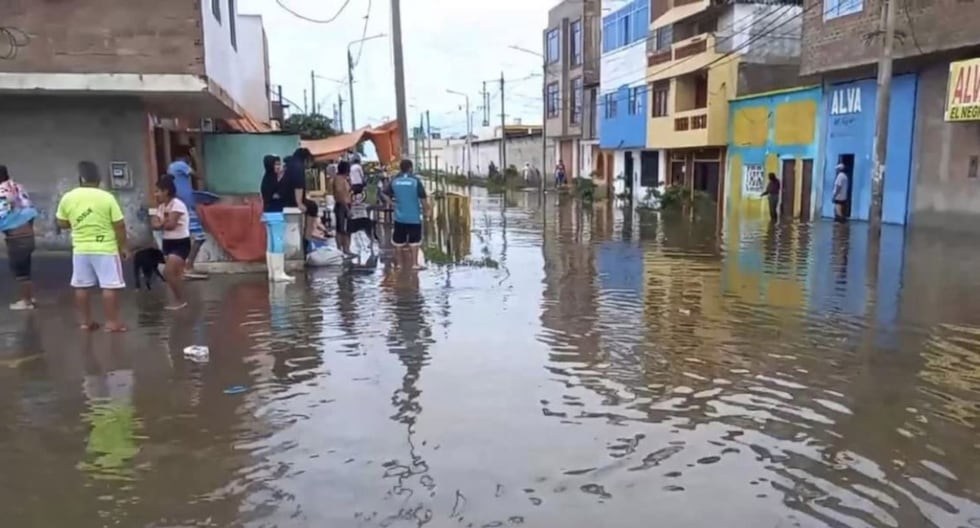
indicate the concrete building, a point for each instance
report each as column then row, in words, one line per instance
column 571, row 50
column 931, row 169
column 120, row 84
column 700, row 55
column 626, row 167
column 523, row 147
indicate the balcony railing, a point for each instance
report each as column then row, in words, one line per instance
column 691, row 122
column 688, row 50
column 699, row 122
column 682, row 124
column 695, row 45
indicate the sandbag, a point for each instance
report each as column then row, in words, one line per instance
column 324, row 256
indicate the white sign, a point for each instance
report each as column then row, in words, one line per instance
column 753, row 179
column 846, row 101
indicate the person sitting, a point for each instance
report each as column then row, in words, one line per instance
column 315, row 232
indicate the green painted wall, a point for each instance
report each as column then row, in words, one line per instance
column 233, row 162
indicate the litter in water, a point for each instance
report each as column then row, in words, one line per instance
column 197, row 353
column 236, row 389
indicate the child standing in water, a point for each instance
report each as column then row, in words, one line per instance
column 172, row 218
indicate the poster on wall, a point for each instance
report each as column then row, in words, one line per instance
column 963, row 91
column 753, row 179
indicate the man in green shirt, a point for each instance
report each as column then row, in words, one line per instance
column 98, row 239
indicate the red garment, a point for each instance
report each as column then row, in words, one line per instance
column 237, row 229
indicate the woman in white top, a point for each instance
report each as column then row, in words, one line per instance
column 172, row 218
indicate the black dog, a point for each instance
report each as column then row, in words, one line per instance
column 145, row 262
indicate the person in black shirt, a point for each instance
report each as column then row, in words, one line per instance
column 273, row 188
column 277, row 191
column 296, row 166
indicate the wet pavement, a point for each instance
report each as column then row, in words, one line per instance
column 581, row 368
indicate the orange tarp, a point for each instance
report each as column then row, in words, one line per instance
column 238, row 229
column 385, row 137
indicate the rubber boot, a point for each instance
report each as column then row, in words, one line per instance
column 279, row 268
column 268, row 266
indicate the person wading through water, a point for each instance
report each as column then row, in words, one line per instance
column 772, row 192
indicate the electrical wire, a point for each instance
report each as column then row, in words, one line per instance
column 12, row 39
column 908, row 17
column 360, row 47
column 314, row 20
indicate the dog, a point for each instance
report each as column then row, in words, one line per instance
column 146, row 263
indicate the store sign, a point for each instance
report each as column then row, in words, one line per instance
column 753, row 179
column 963, row 91
column 845, row 101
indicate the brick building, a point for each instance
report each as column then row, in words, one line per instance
column 931, row 175
column 571, row 51
column 121, row 83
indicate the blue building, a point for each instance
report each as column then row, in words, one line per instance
column 849, row 118
column 623, row 99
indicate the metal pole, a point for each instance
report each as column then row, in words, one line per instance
column 544, row 121
column 350, row 86
column 469, row 135
column 313, row 91
column 340, row 111
column 428, row 142
column 503, row 130
column 305, row 107
column 881, row 115
column 396, row 45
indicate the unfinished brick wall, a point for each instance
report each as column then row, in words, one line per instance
column 106, row 36
column 936, row 25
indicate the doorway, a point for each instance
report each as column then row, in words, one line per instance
column 807, row 188
column 628, row 172
column 706, row 178
column 788, row 196
column 847, row 160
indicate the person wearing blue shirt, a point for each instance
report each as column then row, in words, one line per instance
column 410, row 203
column 183, row 175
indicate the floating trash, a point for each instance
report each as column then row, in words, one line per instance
column 197, row 353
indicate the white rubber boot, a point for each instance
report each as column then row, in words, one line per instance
column 268, row 266
column 279, row 268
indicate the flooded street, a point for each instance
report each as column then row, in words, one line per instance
column 581, row 369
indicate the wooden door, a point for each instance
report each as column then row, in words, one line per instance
column 807, row 186
column 788, row 198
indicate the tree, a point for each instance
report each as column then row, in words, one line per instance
column 310, row 126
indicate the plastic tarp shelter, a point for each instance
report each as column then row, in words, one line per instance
column 385, row 137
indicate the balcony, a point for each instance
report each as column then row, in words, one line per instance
column 679, row 10
column 683, row 57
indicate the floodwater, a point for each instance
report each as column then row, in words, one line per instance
column 580, row 368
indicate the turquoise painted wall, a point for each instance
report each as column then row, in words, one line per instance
column 233, row 162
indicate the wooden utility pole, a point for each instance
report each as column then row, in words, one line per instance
column 396, row 49
column 503, row 130
column 340, row 112
column 312, row 91
column 881, row 114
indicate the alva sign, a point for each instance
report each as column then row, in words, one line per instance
column 963, row 91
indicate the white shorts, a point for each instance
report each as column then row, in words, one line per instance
column 104, row 271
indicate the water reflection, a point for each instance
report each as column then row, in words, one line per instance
column 613, row 368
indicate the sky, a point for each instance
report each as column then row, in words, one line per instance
column 447, row 45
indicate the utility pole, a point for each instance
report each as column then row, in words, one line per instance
column 305, row 107
column 503, row 129
column 340, row 112
column 420, row 144
column 396, row 48
column 313, row 91
column 881, row 115
column 544, row 127
column 428, row 137
column 469, row 140
column 486, row 105
column 350, row 86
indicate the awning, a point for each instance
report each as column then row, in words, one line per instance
column 385, row 137
column 247, row 123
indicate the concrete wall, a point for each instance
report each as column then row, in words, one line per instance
column 44, row 138
column 743, row 26
column 233, row 162
column 106, row 36
column 765, row 130
column 519, row 151
column 835, row 43
column 238, row 69
column 945, row 195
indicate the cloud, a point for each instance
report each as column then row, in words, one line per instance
column 447, row 45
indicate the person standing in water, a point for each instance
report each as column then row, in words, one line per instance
column 98, row 240
column 17, row 216
column 173, row 219
column 411, row 201
column 840, row 193
column 772, row 191
column 185, row 181
column 341, row 207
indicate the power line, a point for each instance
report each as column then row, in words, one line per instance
column 360, row 47
column 313, row 20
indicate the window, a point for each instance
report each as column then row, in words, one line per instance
column 658, row 98
column 554, row 47
column 641, row 23
column 838, row 8
column 576, row 100
column 624, row 31
column 609, row 101
column 231, row 24
column 636, row 93
column 608, row 34
column 575, row 42
column 552, row 100
column 216, row 9
column 663, row 38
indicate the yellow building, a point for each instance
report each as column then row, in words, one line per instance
column 700, row 55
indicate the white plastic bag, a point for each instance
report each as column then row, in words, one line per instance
column 197, row 353
column 324, row 256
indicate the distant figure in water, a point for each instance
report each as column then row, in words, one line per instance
column 772, row 192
